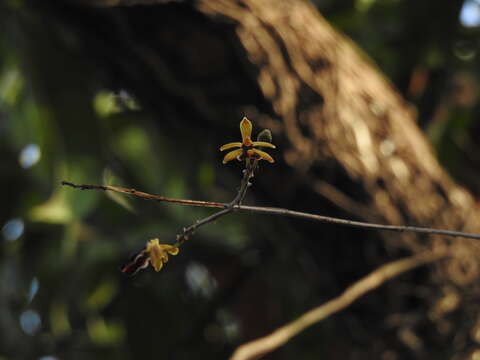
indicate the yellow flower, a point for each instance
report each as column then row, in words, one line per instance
column 154, row 253
column 247, row 146
column 159, row 253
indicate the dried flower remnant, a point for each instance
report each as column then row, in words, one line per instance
column 154, row 253
column 247, row 148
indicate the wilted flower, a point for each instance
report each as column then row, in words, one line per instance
column 247, row 146
column 154, row 253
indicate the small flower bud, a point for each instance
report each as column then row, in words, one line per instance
column 265, row 135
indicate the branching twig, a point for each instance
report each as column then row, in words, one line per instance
column 157, row 254
column 278, row 211
column 262, row 346
column 191, row 229
column 247, row 175
column 144, row 195
column 233, row 205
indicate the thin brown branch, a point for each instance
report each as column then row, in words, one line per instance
column 247, row 175
column 257, row 348
column 279, row 212
column 357, row 224
column 233, row 205
column 144, row 195
column 180, row 239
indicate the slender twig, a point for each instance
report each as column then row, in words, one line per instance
column 247, row 175
column 143, row 195
column 357, row 224
column 233, row 205
column 262, row 346
column 257, row 348
column 279, row 212
column 180, row 239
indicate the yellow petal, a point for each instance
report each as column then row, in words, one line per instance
column 263, row 155
column 157, row 265
column 232, row 155
column 155, row 254
column 230, row 145
column 152, row 243
column 156, row 258
column 173, row 251
column 246, row 130
column 264, row 144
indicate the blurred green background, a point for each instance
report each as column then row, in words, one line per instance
column 62, row 118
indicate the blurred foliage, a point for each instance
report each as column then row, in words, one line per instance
column 61, row 294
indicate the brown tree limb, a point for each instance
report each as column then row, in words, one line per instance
column 273, row 211
column 257, row 348
column 143, row 195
